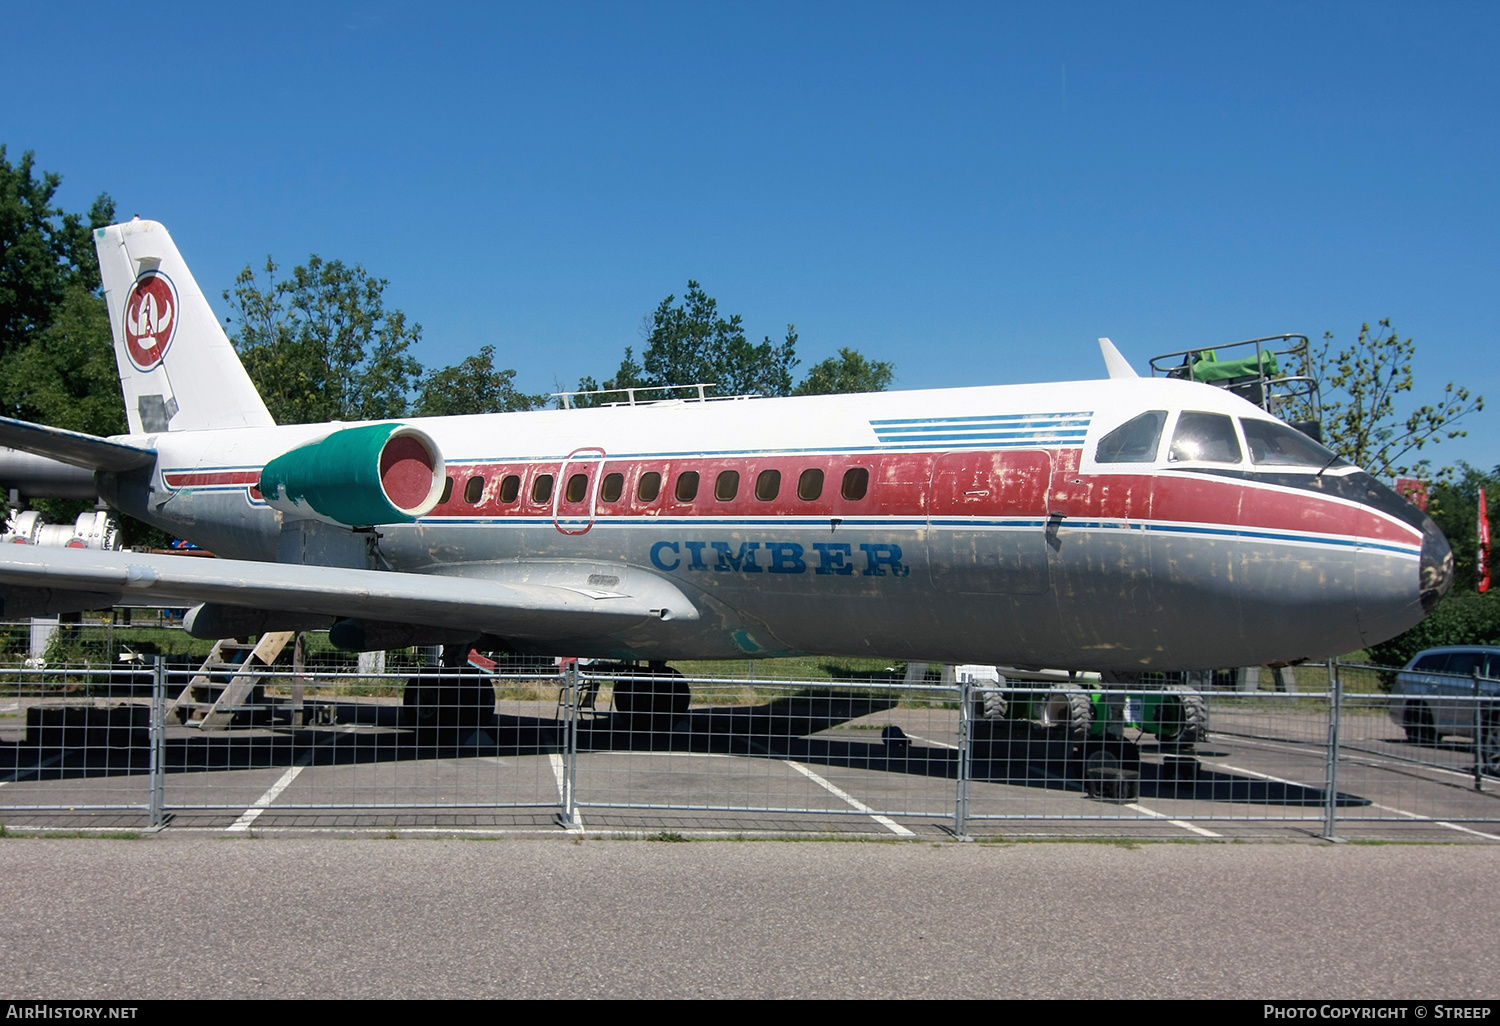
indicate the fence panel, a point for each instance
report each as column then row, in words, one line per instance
column 1431, row 756
column 442, row 749
column 753, row 752
column 75, row 747
column 423, row 748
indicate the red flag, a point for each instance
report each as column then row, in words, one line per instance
column 1484, row 545
column 1413, row 491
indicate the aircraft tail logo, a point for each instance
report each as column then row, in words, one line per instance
column 178, row 370
column 150, row 319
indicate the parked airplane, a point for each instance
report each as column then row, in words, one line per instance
column 1117, row 525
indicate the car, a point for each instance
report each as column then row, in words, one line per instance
column 1434, row 698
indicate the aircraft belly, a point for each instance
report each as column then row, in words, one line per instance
column 997, row 560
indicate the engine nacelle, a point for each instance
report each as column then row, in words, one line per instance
column 358, row 477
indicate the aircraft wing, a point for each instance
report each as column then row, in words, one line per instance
column 544, row 601
column 73, row 447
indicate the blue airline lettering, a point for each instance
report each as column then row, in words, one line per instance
column 786, row 558
column 881, row 559
column 745, row 561
column 696, row 549
column 658, row 549
column 833, row 558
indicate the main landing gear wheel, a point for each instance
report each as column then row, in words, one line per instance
column 992, row 704
column 1067, row 705
column 1183, row 716
column 1416, row 720
column 654, row 699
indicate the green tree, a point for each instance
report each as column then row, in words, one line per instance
column 1463, row 618
column 43, row 251
column 1454, row 506
column 690, row 343
column 850, row 371
column 67, row 376
column 320, row 345
column 473, row 386
column 1360, row 388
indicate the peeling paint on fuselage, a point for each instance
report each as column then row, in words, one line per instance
column 987, row 545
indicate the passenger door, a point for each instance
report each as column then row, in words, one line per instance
column 987, row 522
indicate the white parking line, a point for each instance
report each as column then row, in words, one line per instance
column 935, row 744
column 251, row 814
column 1377, row 805
column 1263, row 776
column 559, row 770
column 885, row 821
column 1439, row 822
column 1371, row 759
column 1175, row 822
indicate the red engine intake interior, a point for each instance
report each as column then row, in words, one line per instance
column 406, row 468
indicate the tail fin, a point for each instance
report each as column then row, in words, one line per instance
column 178, row 369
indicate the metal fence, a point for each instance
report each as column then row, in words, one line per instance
column 443, row 750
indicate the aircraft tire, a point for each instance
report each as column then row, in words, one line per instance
column 1068, row 706
column 1187, row 723
column 1489, row 743
column 653, row 700
column 1417, row 721
column 993, row 705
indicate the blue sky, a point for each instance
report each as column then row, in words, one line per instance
column 974, row 192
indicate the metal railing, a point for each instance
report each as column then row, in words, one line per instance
column 436, row 749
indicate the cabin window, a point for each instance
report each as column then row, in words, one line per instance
column 810, row 484
column 687, row 486
column 447, row 491
column 856, row 483
column 650, row 486
column 1276, row 445
column 1206, row 437
column 1134, row 441
column 727, row 485
column 510, row 488
column 768, row 485
column 578, row 488
column 541, row 488
column 474, row 490
column 612, row 488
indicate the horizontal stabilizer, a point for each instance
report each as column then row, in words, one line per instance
column 73, row 447
column 517, row 608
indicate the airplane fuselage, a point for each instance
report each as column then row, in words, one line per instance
column 963, row 525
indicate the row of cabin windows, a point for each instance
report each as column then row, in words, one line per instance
column 856, row 485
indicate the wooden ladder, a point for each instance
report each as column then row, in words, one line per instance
column 198, row 698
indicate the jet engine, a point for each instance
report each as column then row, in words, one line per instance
column 358, row 477
column 96, row 530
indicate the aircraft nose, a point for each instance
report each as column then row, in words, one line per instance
column 1436, row 566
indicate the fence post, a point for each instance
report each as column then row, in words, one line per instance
column 965, row 722
column 569, row 816
column 1478, row 735
column 1335, row 710
column 158, row 741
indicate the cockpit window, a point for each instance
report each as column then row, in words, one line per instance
column 1206, row 438
column 1134, row 441
column 1276, row 445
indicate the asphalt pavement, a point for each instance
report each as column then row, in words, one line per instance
column 194, row 915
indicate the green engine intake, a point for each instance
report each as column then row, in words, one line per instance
column 359, row 477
